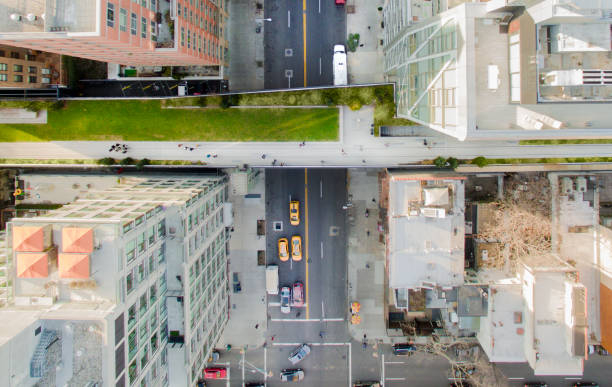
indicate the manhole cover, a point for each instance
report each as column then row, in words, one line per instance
column 278, row 226
column 334, row 230
column 288, row 51
column 288, row 73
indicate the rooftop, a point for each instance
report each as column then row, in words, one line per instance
column 59, row 16
column 425, row 242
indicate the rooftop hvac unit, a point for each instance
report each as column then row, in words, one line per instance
column 581, row 184
column 567, row 186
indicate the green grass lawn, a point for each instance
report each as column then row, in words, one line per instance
column 146, row 121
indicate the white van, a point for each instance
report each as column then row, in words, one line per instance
column 340, row 72
column 272, row 279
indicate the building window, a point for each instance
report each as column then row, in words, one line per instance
column 131, row 316
column 182, row 36
column 110, row 15
column 153, row 32
column 143, row 3
column 133, row 23
column 153, row 5
column 3, row 67
column 143, row 28
column 188, row 39
column 17, row 68
column 32, row 69
column 17, row 78
column 32, row 79
column 14, row 55
column 3, row 78
column 2, row 53
column 123, row 20
column 129, row 282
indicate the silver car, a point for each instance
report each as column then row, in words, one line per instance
column 285, row 300
column 299, row 354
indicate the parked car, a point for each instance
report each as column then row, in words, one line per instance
column 294, row 212
column 586, row 384
column 283, row 249
column 535, row 384
column 214, row 356
column 285, row 300
column 366, row 384
column 215, row 373
column 404, row 349
column 255, row 385
column 340, row 2
column 298, row 294
column 296, row 248
column 299, row 354
column 292, row 375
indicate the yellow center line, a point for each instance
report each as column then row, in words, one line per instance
column 306, row 237
column 304, row 30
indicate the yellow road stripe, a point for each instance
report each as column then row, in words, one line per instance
column 306, row 237
column 146, row 87
column 126, row 87
column 304, row 30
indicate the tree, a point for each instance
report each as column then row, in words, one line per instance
column 142, row 162
column 452, row 162
column 480, row 161
column 107, row 161
column 127, row 161
column 440, row 162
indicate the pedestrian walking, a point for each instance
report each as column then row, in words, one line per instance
column 208, row 156
column 256, row 326
column 263, row 156
column 180, row 145
column 191, row 149
column 272, row 338
column 369, row 27
column 215, row 156
column 361, row 45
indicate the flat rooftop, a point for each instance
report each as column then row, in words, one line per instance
column 32, row 16
column 426, row 244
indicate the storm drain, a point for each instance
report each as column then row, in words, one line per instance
column 288, row 51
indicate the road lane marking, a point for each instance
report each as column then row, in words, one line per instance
column 319, row 6
column 573, row 378
column 516, row 378
column 321, row 250
column 265, row 363
column 395, row 379
column 146, row 87
column 288, row 19
column 350, row 360
column 319, row 65
column 322, row 311
column 304, row 31
column 306, row 237
column 321, row 188
column 395, row 362
column 243, row 352
column 383, row 370
column 126, row 87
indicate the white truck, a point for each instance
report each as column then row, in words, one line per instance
column 272, row 279
column 340, row 72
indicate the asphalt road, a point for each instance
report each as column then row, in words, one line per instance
column 322, row 321
column 293, row 48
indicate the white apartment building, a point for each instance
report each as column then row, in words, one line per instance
column 502, row 69
column 91, row 285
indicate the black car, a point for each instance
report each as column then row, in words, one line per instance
column 535, row 384
column 404, row 349
column 586, row 384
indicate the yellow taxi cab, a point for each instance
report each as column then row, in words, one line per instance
column 296, row 248
column 283, row 249
column 294, row 212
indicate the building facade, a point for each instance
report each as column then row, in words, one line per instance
column 24, row 68
column 129, row 32
column 101, row 273
column 499, row 69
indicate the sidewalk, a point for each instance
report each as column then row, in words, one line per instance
column 247, row 308
column 366, row 256
column 370, row 56
column 246, row 46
